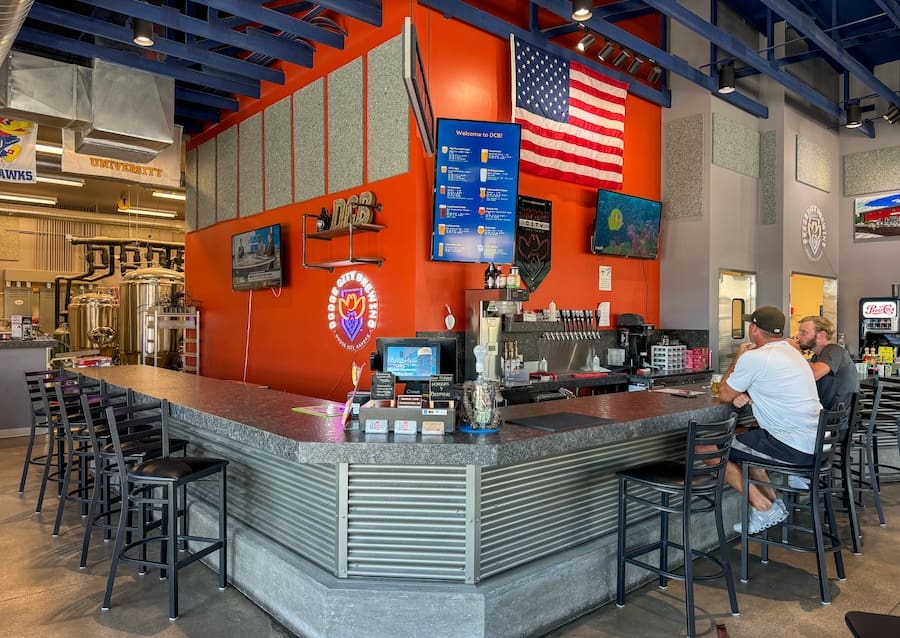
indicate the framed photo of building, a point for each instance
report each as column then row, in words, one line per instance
column 876, row 217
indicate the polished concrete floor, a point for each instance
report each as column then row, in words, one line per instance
column 43, row 592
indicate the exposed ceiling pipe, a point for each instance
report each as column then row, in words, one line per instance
column 12, row 16
column 113, row 241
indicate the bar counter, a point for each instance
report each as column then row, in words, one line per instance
column 18, row 356
column 340, row 534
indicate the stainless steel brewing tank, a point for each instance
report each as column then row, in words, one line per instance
column 93, row 322
column 141, row 293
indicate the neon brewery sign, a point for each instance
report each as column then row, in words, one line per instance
column 353, row 310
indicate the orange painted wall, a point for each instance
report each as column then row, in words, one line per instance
column 290, row 345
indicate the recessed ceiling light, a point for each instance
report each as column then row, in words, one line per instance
column 61, row 181
column 28, row 199
column 169, row 195
column 149, row 212
column 48, row 148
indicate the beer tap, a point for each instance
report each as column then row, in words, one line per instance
column 579, row 316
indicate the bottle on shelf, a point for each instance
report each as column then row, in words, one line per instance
column 489, row 281
column 500, row 278
column 512, row 279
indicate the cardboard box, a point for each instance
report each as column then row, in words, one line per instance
column 407, row 420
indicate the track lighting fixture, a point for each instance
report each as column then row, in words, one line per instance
column 582, row 10
column 635, row 65
column 655, row 74
column 585, row 42
column 854, row 115
column 606, row 51
column 143, row 32
column 726, row 78
column 892, row 115
column 621, row 59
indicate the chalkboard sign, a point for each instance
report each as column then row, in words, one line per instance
column 441, row 387
column 383, row 386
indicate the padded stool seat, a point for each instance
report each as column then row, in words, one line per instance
column 697, row 482
column 863, row 624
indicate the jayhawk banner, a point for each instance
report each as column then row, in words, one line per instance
column 18, row 160
column 353, row 310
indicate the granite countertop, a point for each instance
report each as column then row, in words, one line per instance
column 27, row 343
column 263, row 419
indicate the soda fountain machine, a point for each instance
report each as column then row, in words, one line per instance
column 879, row 322
column 486, row 309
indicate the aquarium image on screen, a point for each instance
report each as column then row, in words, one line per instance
column 626, row 226
column 256, row 259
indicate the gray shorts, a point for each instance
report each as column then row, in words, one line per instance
column 758, row 445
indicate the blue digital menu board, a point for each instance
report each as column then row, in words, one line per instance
column 475, row 187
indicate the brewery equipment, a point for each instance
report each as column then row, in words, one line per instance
column 93, row 323
column 485, row 309
column 142, row 293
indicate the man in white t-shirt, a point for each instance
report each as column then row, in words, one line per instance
column 771, row 376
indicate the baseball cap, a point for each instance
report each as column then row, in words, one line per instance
column 767, row 318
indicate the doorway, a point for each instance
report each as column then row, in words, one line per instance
column 736, row 289
column 812, row 295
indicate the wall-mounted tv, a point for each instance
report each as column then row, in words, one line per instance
column 476, row 182
column 256, row 259
column 626, row 226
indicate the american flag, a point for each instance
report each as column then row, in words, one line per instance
column 573, row 118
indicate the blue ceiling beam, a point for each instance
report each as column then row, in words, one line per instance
column 88, row 50
column 171, row 17
column 270, row 17
column 891, row 9
column 206, row 99
column 673, row 63
column 804, row 24
column 368, row 11
column 737, row 48
column 124, row 34
column 199, row 113
column 502, row 29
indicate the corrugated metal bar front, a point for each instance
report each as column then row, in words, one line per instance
column 293, row 504
column 407, row 521
column 534, row 509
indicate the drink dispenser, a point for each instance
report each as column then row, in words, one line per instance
column 485, row 310
column 634, row 336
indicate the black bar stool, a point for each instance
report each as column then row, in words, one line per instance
column 57, row 445
column 39, row 415
column 160, row 485
column 818, row 474
column 77, row 401
column 698, row 482
column 843, row 466
column 105, row 504
column 880, row 412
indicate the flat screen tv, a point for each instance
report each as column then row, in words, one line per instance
column 256, row 259
column 626, row 226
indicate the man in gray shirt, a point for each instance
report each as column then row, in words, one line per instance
column 834, row 370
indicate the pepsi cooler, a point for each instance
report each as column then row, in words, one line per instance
column 879, row 323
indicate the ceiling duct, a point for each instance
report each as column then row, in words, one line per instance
column 12, row 16
column 45, row 91
column 116, row 112
column 133, row 114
